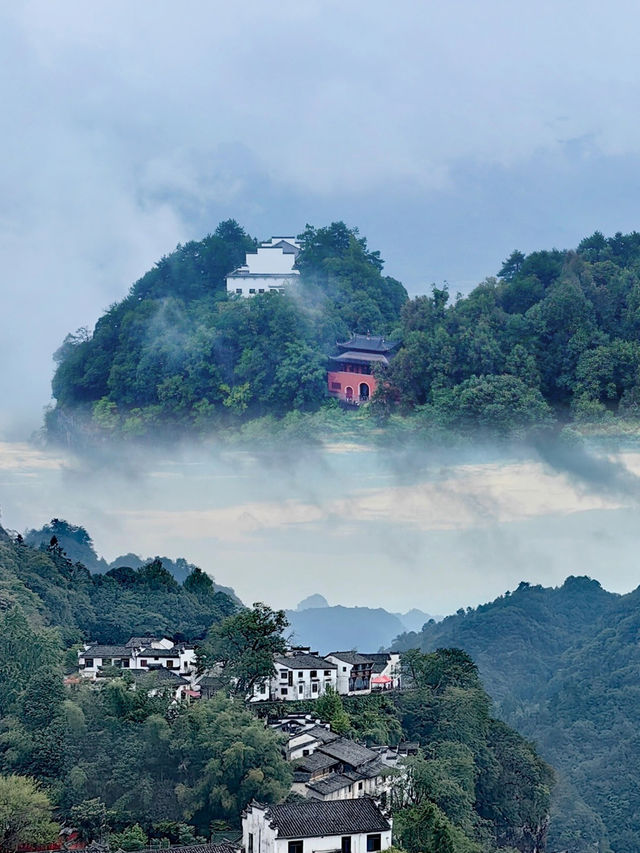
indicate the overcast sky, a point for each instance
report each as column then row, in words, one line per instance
column 450, row 133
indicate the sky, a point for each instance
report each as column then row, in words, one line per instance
column 449, row 133
column 363, row 526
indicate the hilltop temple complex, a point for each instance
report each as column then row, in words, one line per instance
column 350, row 377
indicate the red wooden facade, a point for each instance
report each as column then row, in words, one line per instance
column 350, row 376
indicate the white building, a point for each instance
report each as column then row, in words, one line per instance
column 387, row 670
column 297, row 677
column 139, row 654
column 344, row 826
column 353, row 672
column 269, row 268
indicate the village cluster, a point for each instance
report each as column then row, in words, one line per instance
column 343, row 786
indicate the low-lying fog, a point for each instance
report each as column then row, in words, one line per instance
column 434, row 530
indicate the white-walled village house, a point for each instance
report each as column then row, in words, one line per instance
column 353, row 672
column 297, row 677
column 139, row 654
column 269, row 268
column 347, row 826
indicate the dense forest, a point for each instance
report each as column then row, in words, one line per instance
column 554, row 337
column 52, row 590
column 562, row 666
column 133, row 766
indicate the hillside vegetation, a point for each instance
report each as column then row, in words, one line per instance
column 52, row 590
column 563, row 666
column 132, row 765
column 554, row 336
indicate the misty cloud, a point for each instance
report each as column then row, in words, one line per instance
column 129, row 128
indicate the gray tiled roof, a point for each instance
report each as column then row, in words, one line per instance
column 304, row 662
column 316, row 761
column 159, row 653
column 106, row 652
column 334, row 782
column 349, row 752
column 380, row 660
column 369, row 343
column 321, row 734
column 318, row 818
column 350, row 657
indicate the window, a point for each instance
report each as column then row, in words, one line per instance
column 143, row 663
column 346, row 844
column 169, row 664
column 250, row 850
column 295, row 847
column 336, row 386
column 261, row 290
column 314, row 673
column 374, row 842
column 239, row 291
column 88, row 662
column 252, row 290
column 283, row 675
column 360, row 785
column 125, row 663
column 344, row 669
column 300, row 688
column 306, row 752
column 301, row 675
column 314, row 687
column 284, row 691
column 263, row 688
column 327, row 672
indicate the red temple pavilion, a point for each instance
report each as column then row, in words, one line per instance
column 350, row 377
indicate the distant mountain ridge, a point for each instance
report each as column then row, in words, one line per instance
column 327, row 627
column 562, row 665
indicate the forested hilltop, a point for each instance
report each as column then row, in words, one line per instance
column 555, row 337
column 120, row 760
column 562, row 665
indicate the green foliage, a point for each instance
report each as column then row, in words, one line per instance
column 179, row 353
column 132, row 838
column 229, row 759
column 108, row 608
column 25, row 814
column 329, row 708
column 561, row 663
column 243, row 647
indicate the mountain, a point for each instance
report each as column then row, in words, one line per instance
column 562, row 666
column 179, row 352
column 78, row 547
column 312, row 601
column 53, row 590
column 554, row 337
column 327, row 628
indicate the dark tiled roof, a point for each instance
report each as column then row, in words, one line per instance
column 331, row 784
column 360, row 357
column 318, row 818
column 106, row 652
column 321, row 734
column 316, row 761
column 350, row 657
column 304, row 662
column 140, row 642
column 348, row 752
column 159, row 673
column 369, row 343
column 380, row 660
column 159, row 653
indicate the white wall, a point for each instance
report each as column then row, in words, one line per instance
column 259, row 283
